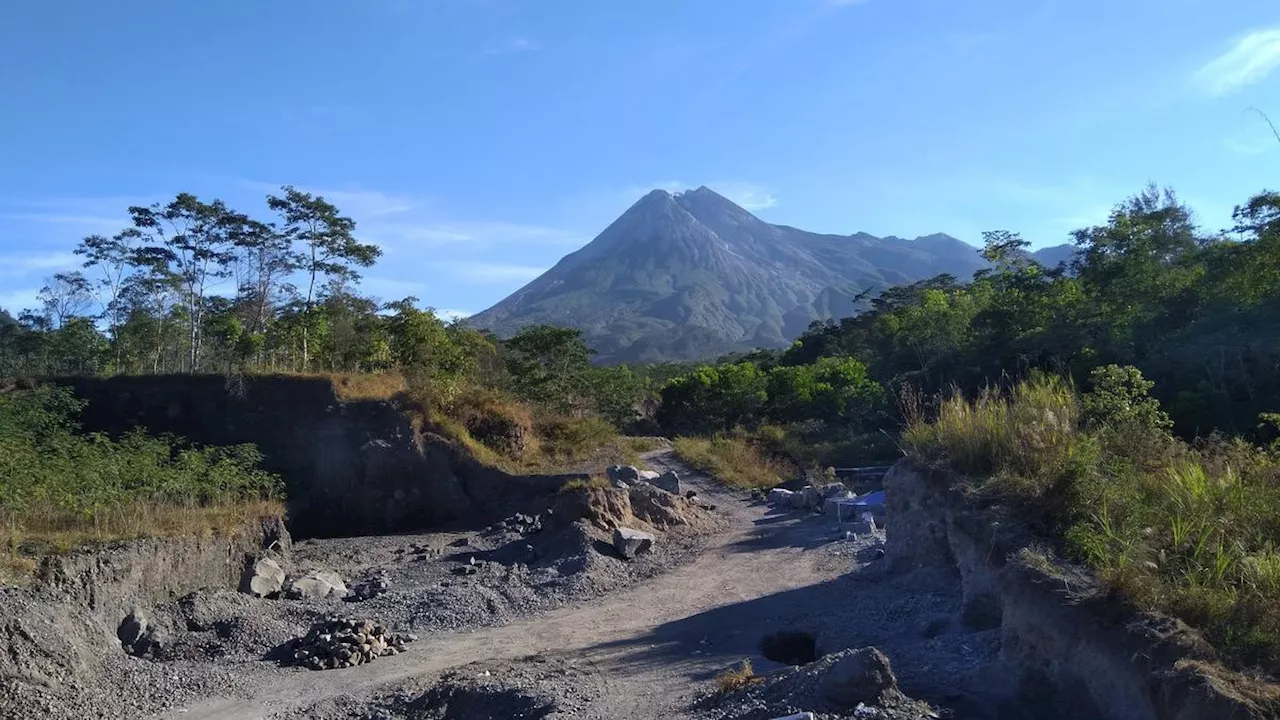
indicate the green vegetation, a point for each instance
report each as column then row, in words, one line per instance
column 59, row 488
column 731, row 459
column 1186, row 529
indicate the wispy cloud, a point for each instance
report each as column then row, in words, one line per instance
column 17, row 300
column 451, row 315
column 14, row 265
column 751, row 196
column 63, row 219
column 1250, row 60
column 514, row 45
column 470, row 232
column 492, row 272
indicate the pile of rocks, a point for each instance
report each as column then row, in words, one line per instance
column 523, row 524
column 371, row 588
column 346, row 642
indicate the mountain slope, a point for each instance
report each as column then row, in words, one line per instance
column 692, row 275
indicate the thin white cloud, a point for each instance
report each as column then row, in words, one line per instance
column 389, row 289
column 17, row 300
column 65, row 219
column 13, row 265
column 750, row 196
column 468, row 232
column 1250, row 60
column 452, row 315
column 491, row 272
column 514, row 45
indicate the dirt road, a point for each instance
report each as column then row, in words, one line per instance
column 658, row 642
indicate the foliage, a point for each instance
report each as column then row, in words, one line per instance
column 1187, row 529
column 731, row 459
column 62, row 487
column 594, row 482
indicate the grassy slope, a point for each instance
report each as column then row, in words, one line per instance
column 1191, row 531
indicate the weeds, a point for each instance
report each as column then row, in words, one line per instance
column 576, row 484
column 1190, row 530
column 731, row 460
column 739, row 678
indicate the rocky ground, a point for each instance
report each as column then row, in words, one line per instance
column 540, row 617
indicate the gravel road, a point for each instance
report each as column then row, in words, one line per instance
column 652, row 648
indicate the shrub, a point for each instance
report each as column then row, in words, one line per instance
column 569, row 439
column 576, row 484
column 59, row 488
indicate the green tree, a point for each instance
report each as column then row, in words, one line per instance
column 547, row 365
column 329, row 248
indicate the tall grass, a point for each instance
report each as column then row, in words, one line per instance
column 1192, row 531
column 732, row 460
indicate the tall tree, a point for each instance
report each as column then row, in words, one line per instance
column 329, row 248
column 190, row 245
column 115, row 258
column 64, row 297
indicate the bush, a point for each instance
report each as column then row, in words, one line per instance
column 566, row 439
column 59, row 488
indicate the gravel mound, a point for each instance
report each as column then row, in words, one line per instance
column 849, row 684
column 539, row 686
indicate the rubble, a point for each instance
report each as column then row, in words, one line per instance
column 345, row 642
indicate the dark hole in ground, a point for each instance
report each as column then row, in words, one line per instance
column 789, row 647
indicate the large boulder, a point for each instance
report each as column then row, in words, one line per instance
column 265, row 578
column 630, row 543
column 625, row 474
column 138, row 636
column 812, row 497
column 858, row 676
column 780, row 496
column 668, row 481
column 649, row 475
column 317, row 585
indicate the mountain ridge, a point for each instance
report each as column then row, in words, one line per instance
column 690, row 275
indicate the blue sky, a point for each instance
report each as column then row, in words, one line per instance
column 478, row 141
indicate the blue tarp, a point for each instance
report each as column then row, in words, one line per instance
column 871, row 498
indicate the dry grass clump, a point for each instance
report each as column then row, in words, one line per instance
column 368, row 386
column 731, row 460
column 739, row 678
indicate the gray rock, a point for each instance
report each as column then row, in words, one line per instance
column 858, row 676
column 265, row 579
column 780, row 496
column 625, row 474
column 630, row 543
column 812, row 497
column 317, row 585
column 834, row 490
column 133, row 628
column 649, row 475
column 668, row 481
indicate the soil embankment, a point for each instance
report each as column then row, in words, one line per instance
column 1065, row 646
column 351, row 468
